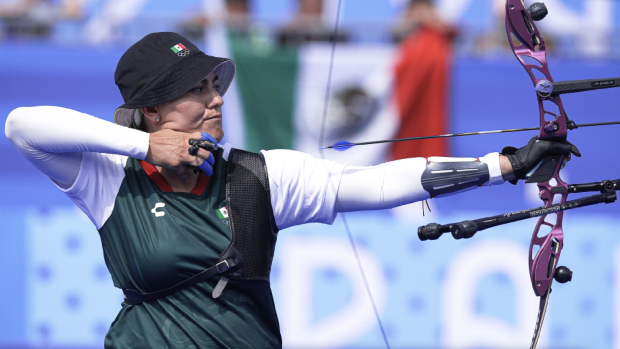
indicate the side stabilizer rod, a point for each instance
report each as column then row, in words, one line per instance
column 467, row 229
column 546, row 89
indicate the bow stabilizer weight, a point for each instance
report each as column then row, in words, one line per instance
column 563, row 275
column 463, row 230
column 538, row 11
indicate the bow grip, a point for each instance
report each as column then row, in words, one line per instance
column 543, row 172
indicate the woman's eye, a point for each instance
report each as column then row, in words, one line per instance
column 197, row 89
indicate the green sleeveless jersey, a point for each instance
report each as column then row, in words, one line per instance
column 156, row 238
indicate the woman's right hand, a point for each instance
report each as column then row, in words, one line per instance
column 169, row 149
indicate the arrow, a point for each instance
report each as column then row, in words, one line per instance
column 344, row 145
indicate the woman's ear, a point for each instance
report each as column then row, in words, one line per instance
column 152, row 114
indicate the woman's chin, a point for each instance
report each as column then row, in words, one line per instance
column 219, row 137
column 218, row 134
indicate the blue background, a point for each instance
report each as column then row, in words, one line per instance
column 82, row 80
column 486, row 94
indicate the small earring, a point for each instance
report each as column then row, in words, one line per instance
column 157, row 119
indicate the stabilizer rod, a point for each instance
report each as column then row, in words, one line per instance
column 562, row 87
column 467, row 229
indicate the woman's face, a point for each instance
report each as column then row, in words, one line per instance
column 198, row 110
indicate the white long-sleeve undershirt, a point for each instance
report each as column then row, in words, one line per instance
column 53, row 139
column 303, row 189
column 293, row 178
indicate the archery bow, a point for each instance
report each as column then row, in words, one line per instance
column 529, row 43
column 544, row 252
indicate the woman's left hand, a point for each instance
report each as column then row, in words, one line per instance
column 524, row 159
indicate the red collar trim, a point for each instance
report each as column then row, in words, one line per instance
column 201, row 185
column 161, row 182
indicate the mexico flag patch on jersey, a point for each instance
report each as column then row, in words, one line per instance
column 222, row 213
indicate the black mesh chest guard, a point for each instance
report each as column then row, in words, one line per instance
column 252, row 224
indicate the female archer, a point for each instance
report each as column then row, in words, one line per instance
column 188, row 225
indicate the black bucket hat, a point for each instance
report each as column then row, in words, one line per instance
column 160, row 68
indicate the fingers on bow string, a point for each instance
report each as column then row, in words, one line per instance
column 202, row 149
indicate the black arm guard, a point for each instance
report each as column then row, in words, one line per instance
column 441, row 178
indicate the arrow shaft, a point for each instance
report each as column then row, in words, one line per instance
column 600, row 124
column 448, row 135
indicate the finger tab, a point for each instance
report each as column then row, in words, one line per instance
column 207, row 137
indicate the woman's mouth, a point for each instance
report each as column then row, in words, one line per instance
column 216, row 116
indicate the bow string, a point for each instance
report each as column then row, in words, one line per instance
column 342, row 215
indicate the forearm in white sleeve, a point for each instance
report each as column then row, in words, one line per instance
column 53, row 139
column 398, row 182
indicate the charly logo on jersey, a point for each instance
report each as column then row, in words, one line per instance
column 222, row 213
column 158, row 213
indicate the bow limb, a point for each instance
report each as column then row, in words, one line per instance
column 342, row 215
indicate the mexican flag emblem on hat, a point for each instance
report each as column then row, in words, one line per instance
column 178, row 48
